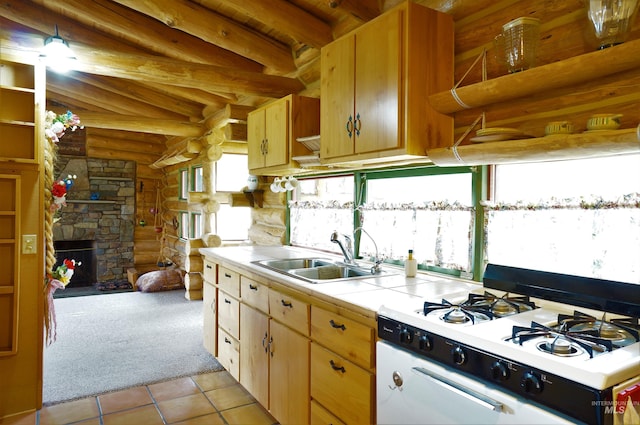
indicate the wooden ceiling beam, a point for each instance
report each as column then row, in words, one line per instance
column 108, row 100
column 364, row 10
column 183, row 74
column 287, row 18
column 193, row 95
column 137, row 92
column 145, row 125
column 216, row 29
column 156, row 139
column 160, row 70
column 139, row 30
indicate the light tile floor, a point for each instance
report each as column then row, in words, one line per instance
column 210, row 398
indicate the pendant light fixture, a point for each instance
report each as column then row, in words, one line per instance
column 57, row 54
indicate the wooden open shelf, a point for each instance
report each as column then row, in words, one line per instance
column 578, row 69
column 548, row 148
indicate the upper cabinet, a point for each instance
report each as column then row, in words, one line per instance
column 21, row 107
column 272, row 131
column 375, row 83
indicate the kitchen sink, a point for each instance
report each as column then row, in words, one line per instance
column 294, row 263
column 318, row 270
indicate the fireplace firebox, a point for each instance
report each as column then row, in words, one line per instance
column 83, row 251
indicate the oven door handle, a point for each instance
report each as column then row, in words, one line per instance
column 468, row 393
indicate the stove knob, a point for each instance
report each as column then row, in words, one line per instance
column 426, row 344
column 459, row 356
column 406, row 336
column 499, row 371
column 531, row 383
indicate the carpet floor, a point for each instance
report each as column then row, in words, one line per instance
column 115, row 341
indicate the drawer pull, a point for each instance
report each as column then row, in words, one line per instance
column 227, row 301
column 337, row 326
column 209, row 267
column 253, row 287
column 286, row 303
column 227, row 275
column 335, row 367
column 227, row 340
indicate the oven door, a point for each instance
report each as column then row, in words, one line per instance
column 415, row 390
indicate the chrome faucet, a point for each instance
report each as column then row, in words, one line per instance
column 375, row 269
column 347, row 248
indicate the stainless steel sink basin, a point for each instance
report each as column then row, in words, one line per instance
column 317, row 270
column 294, row 263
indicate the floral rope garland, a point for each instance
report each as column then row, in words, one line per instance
column 55, row 127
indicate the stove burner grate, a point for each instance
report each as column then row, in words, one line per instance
column 501, row 306
column 458, row 313
column 621, row 332
column 586, row 341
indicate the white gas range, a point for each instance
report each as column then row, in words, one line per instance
column 501, row 356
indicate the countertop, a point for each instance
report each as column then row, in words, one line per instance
column 363, row 296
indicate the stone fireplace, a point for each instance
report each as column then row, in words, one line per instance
column 100, row 212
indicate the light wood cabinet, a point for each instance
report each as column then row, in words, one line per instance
column 375, row 83
column 289, row 375
column 228, row 318
column 321, row 416
column 21, row 109
column 229, row 353
column 343, row 388
column 254, row 353
column 209, row 317
column 10, row 262
column 272, row 131
column 274, row 356
column 342, row 367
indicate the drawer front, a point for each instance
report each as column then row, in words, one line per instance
column 321, row 416
column 229, row 353
column 229, row 281
column 343, row 388
column 352, row 340
column 254, row 294
column 289, row 311
column 229, row 314
column 209, row 273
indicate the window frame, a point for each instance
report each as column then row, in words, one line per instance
column 479, row 179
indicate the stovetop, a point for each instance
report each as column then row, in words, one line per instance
column 531, row 332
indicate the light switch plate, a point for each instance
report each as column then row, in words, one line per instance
column 28, row 244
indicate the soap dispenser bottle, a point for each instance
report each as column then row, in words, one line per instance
column 410, row 265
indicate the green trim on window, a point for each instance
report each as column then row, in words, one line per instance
column 182, row 172
column 192, row 184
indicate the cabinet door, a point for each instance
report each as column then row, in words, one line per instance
column 229, row 353
column 289, row 396
column 277, row 133
column 210, row 325
column 338, row 90
column 256, row 138
column 229, row 314
column 378, row 76
column 254, row 354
